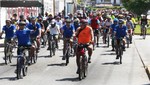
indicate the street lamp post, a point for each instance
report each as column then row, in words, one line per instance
column 64, row 8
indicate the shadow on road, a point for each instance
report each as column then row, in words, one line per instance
column 57, row 64
column 145, row 84
column 2, row 64
column 9, row 78
column 108, row 54
column 111, row 63
column 47, row 56
column 69, row 79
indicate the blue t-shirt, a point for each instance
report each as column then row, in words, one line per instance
column 120, row 32
column 9, row 31
column 113, row 27
column 23, row 37
column 32, row 27
column 68, row 32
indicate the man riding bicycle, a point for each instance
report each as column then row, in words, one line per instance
column 54, row 30
column 85, row 36
column 95, row 26
column 9, row 31
column 113, row 28
column 36, row 27
column 68, row 33
column 120, row 33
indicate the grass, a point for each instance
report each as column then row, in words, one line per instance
column 138, row 30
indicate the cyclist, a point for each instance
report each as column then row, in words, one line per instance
column 85, row 36
column 53, row 29
column 68, row 32
column 144, row 22
column 95, row 26
column 9, row 30
column 130, row 26
column 120, row 33
column 40, row 21
column 76, row 23
column 37, row 31
column 24, row 39
column 113, row 28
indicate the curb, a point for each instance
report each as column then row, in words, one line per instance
column 148, row 71
column 147, row 68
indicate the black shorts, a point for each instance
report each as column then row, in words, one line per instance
column 96, row 32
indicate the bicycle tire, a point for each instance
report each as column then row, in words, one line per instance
column 108, row 41
column 53, row 47
column 80, row 69
column 50, row 46
column 19, row 68
column 35, row 57
column 120, row 54
column 6, row 54
column 85, row 66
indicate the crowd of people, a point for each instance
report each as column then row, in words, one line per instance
column 85, row 28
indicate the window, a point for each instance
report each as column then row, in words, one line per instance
column 107, row 0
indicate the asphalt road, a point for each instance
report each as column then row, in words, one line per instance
column 104, row 69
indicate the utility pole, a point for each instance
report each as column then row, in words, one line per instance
column 54, row 7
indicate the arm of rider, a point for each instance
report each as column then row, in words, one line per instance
column 92, row 36
column 2, row 34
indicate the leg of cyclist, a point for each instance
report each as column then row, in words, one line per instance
column 77, row 60
column 38, row 44
column 90, row 51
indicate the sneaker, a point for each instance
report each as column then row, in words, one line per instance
column 89, row 60
column 63, row 58
column 48, row 48
column 113, row 50
column 117, row 57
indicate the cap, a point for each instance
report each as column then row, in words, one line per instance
column 68, row 20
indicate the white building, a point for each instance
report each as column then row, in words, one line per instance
column 113, row 2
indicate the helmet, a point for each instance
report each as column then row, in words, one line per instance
column 68, row 20
column 121, row 21
column 53, row 23
column 115, row 20
column 83, row 21
column 77, row 20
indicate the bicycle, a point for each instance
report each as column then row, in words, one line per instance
column 22, row 61
column 119, row 49
column 8, row 51
column 52, row 45
column 83, row 61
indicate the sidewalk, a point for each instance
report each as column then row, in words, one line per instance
column 143, row 48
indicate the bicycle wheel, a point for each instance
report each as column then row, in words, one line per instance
column 53, row 47
column 50, row 46
column 80, row 69
column 85, row 66
column 19, row 67
column 128, row 41
column 120, row 54
column 6, row 54
column 67, row 57
column 35, row 57
column 108, row 40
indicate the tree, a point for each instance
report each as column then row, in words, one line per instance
column 137, row 6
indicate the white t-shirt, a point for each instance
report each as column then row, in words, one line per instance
column 59, row 23
column 54, row 30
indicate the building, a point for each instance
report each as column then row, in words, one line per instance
column 108, row 2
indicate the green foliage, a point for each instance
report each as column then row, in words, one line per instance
column 137, row 6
